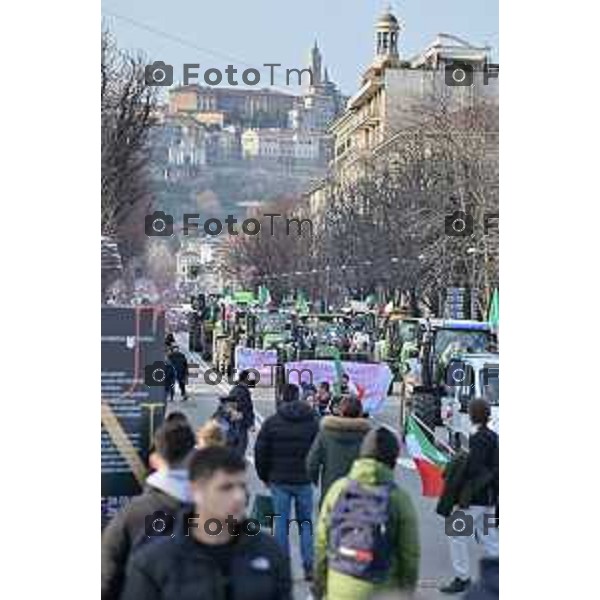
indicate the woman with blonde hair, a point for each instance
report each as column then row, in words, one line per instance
column 210, row 434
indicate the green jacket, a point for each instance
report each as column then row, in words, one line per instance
column 404, row 572
column 334, row 449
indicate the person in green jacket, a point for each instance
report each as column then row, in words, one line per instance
column 374, row 467
column 337, row 444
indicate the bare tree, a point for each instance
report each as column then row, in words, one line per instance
column 275, row 254
column 385, row 231
column 161, row 263
column 127, row 105
column 388, row 226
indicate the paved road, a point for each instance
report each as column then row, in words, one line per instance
column 435, row 561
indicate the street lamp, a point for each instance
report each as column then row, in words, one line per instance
column 472, row 251
column 327, row 268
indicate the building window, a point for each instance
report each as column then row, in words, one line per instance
column 385, row 41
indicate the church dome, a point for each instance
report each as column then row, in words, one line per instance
column 386, row 20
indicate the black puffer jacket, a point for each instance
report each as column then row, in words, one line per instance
column 283, row 443
column 180, row 364
column 482, row 470
column 179, row 568
column 241, row 392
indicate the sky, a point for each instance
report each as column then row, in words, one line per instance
column 249, row 33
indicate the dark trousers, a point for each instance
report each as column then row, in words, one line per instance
column 242, row 442
column 181, row 383
column 169, row 393
column 170, row 390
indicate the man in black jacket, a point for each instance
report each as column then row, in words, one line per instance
column 167, row 489
column 280, row 451
column 241, row 392
column 180, row 364
column 214, row 554
column 170, row 378
column 477, row 499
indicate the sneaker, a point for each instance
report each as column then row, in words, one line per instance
column 456, row 586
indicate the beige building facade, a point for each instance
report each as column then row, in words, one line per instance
column 395, row 93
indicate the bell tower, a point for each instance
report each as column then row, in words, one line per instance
column 387, row 31
column 316, row 62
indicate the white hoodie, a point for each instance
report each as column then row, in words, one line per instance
column 174, row 482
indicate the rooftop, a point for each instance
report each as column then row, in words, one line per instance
column 227, row 90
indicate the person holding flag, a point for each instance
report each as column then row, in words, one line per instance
column 471, row 484
column 429, row 460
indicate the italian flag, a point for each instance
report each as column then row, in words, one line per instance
column 430, row 462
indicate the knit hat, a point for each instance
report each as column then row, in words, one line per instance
column 382, row 445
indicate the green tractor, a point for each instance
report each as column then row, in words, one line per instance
column 400, row 334
column 273, row 329
column 442, row 343
column 236, row 327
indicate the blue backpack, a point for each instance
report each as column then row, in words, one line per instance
column 360, row 542
column 230, row 428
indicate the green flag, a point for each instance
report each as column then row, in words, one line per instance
column 301, row 303
column 494, row 311
column 264, row 296
column 244, row 297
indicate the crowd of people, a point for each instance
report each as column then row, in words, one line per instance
column 188, row 535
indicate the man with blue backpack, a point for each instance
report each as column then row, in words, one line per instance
column 367, row 533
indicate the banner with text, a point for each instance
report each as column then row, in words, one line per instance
column 372, row 380
column 251, row 358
